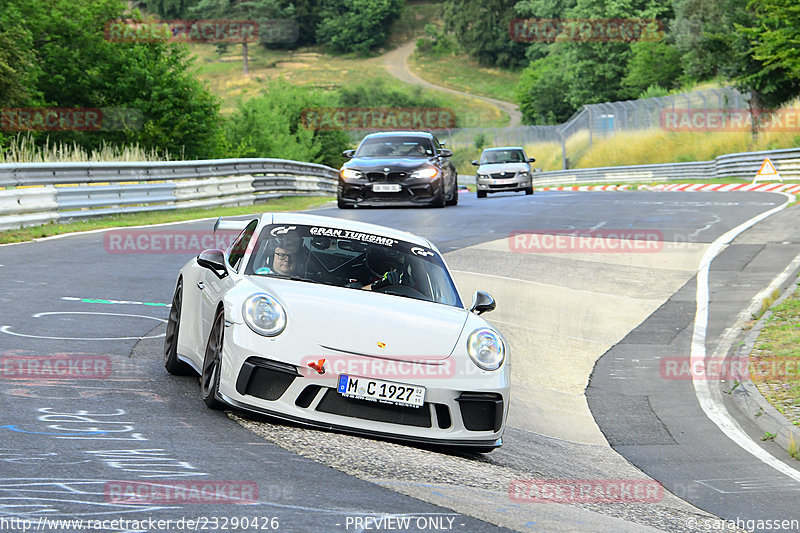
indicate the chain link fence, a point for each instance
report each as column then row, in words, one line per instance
column 601, row 120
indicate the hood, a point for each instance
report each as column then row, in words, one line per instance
column 355, row 321
column 509, row 168
column 377, row 164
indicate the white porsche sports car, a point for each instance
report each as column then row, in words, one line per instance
column 341, row 325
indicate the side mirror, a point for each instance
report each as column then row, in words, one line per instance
column 475, row 164
column 482, row 302
column 445, row 153
column 213, row 260
column 349, row 154
column 531, row 160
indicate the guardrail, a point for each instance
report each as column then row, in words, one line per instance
column 739, row 166
column 37, row 193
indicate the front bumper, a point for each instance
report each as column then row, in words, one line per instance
column 411, row 192
column 516, row 183
column 467, row 408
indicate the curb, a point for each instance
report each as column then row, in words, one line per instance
column 686, row 187
column 749, row 400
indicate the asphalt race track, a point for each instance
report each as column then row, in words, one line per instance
column 590, row 401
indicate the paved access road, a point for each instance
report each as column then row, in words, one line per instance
column 68, row 445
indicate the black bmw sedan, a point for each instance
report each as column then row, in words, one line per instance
column 398, row 168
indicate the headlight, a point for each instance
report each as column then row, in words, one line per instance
column 524, row 174
column 349, row 173
column 486, row 349
column 483, row 176
column 429, row 172
column 264, row 315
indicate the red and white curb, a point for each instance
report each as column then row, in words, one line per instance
column 686, row 187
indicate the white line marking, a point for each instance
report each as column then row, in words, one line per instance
column 710, row 403
column 7, row 329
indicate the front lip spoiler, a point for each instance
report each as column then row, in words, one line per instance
column 344, row 429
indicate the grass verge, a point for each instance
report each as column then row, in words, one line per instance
column 289, row 203
column 775, row 360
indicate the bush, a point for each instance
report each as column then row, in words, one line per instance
column 270, row 125
column 356, row 25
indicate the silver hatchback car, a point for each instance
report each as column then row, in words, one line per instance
column 504, row 169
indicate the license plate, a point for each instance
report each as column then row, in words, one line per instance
column 377, row 390
column 386, row 187
column 504, row 181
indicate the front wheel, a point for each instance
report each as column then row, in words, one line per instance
column 171, row 362
column 438, row 200
column 481, row 194
column 529, row 190
column 454, row 199
column 212, row 362
column 342, row 204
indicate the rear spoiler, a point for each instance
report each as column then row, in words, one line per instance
column 223, row 225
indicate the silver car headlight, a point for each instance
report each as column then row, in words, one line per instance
column 349, row 173
column 486, row 349
column 264, row 315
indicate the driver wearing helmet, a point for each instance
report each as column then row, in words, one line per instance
column 385, row 267
column 282, row 256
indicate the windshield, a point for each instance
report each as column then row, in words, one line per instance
column 492, row 157
column 354, row 260
column 396, row 147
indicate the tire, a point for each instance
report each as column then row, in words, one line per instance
column 342, row 204
column 171, row 362
column 481, row 194
column 528, row 190
column 209, row 379
column 438, row 200
column 454, row 199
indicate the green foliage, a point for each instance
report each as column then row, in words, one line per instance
column 480, row 141
column 270, row 125
column 378, row 94
column 652, row 64
column 167, row 9
column 541, row 92
column 75, row 66
column 262, row 12
column 481, row 28
column 436, row 42
column 654, row 91
column 356, row 25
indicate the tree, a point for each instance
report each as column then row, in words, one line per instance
column 167, row 9
column 481, row 28
column 77, row 67
column 356, row 25
column 652, row 64
column 541, row 92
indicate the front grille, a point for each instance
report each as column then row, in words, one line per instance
column 336, row 404
column 503, row 186
column 265, row 379
column 376, row 176
column 499, row 176
column 481, row 411
column 386, row 177
column 396, row 176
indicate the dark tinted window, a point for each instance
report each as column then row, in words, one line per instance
column 400, row 146
column 239, row 247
